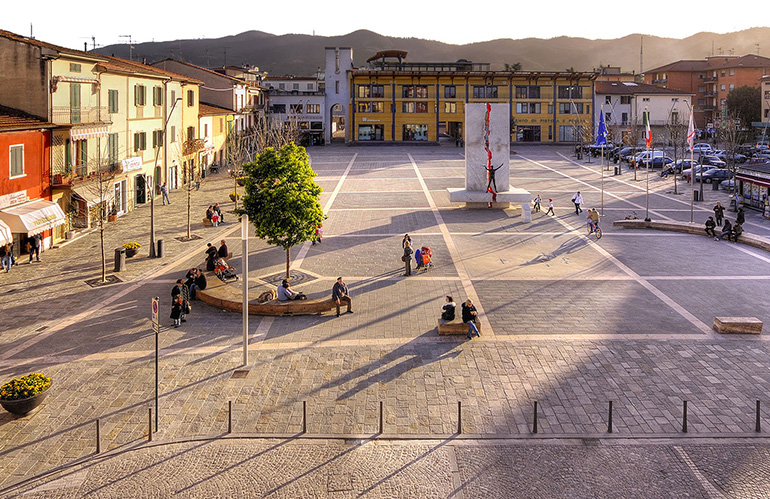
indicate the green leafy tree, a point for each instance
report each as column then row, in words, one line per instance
column 745, row 104
column 282, row 199
column 516, row 66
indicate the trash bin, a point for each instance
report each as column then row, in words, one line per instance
column 696, row 195
column 617, row 170
column 714, row 185
column 120, row 259
column 159, row 253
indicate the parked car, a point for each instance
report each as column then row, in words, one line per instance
column 710, row 159
column 702, row 147
column 678, row 166
column 641, row 157
column 660, row 162
column 627, row 153
column 686, row 174
column 724, row 156
column 727, row 184
column 715, row 175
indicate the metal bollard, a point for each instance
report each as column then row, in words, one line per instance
column 381, row 419
column 159, row 253
column 98, row 438
column 684, row 416
column 609, row 419
column 304, row 416
column 149, row 427
column 758, row 424
column 229, row 416
column 534, row 421
column 459, row 417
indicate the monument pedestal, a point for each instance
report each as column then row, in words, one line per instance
column 481, row 200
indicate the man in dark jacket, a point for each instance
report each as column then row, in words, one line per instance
column 719, row 213
column 223, row 252
column 407, row 258
column 740, row 217
column 710, row 225
column 726, row 231
column 181, row 289
column 340, row 295
column 211, row 257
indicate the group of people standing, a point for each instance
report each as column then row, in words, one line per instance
column 34, row 246
column 423, row 256
column 732, row 231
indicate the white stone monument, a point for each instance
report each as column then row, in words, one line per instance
column 487, row 161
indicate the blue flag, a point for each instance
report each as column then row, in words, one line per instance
column 601, row 133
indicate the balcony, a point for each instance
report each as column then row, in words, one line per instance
column 64, row 175
column 660, row 81
column 193, row 146
column 65, row 115
column 710, row 78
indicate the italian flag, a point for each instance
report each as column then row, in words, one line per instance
column 647, row 132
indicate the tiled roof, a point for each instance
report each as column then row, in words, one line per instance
column 209, row 110
column 161, row 64
column 684, row 65
column 631, row 88
column 715, row 62
column 13, row 119
column 37, row 43
column 119, row 65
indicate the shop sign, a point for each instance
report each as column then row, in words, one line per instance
column 132, row 164
column 13, row 199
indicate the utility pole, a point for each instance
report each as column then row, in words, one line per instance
column 130, row 46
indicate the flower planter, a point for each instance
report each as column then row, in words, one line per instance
column 131, row 252
column 112, row 218
column 21, row 407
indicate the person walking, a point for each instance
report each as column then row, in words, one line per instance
column 164, row 194
column 550, row 208
column 740, row 218
column 578, row 200
column 340, row 295
column 6, row 256
column 211, row 257
column 727, row 229
column 469, row 317
column 536, row 204
column 35, row 244
column 710, row 225
column 183, row 292
column 719, row 213
column 407, row 258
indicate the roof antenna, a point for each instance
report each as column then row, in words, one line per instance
column 30, row 32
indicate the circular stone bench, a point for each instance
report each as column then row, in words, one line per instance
column 691, row 228
column 226, row 296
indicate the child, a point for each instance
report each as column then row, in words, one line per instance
column 448, row 310
column 550, row 207
column 176, row 310
column 418, row 258
column 215, row 219
column 319, row 232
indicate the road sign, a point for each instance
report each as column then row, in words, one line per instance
column 155, row 304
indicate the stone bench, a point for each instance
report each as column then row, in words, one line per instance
column 754, row 240
column 228, row 296
column 207, row 222
column 737, row 325
column 454, row 327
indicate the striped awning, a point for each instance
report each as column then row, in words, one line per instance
column 89, row 132
column 33, row 217
column 75, row 79
column 5, row 234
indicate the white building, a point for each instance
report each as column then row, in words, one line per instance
column 298, row 99
column 339, row 62
column 624, row 104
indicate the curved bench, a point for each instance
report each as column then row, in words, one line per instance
column 691, row 228
column 228, row 297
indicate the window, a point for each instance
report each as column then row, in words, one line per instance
column 732, row 72
column 17, row 160
column 528, row 108
column 608, row 99
column 157, row 138
column 157, row 96
column 450, row 92
column 375, row 91
column 75, row 68
column 624, row 118
column 278, row 108
column 568, row 133
column 484, row 92
column 527, row 92
column 645, row 99
column 296, row 108
column 337, row 87
column 608, row 117
column 295, row 86
column 625, row 99
column 313, row 108
column 371, row 132
column 732, row 86
column 570, row 92
column 310, row 86
column 407, row 107
column 206, row 130
column 173, row 97
column 281, row 86
column 112, row 97
column 173, row 134
column 415, row 107
column 450, row 107
column 722, row 88
column 190, row 133
column 190, row 98
column 415, row 91
column 140, row 141
column 415, row 132
column 140, row 95
column 570, row 108
column 112, row 148
column 702, row 89
column 370, row 107
column 316, row 125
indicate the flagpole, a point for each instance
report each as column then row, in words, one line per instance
column 690, row 144
column 648, row 141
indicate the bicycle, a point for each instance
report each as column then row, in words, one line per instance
column 596, row 230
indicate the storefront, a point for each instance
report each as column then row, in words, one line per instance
column 753, row 187
column 28, row 219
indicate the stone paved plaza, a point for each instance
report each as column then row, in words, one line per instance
column 568, row 321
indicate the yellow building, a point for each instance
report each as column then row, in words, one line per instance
column 214, row 130
column 396, row 101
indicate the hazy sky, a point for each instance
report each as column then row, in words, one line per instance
column 74, row 22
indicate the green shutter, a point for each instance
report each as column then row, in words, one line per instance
column 17, row 161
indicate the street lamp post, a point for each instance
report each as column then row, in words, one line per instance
column 153, row 253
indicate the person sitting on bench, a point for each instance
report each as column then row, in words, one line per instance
column 710, row 225
column 448, row 310
column 340, row 295
column 286, row 294
column 737, row 231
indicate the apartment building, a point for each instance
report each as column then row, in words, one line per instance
column 299, row 101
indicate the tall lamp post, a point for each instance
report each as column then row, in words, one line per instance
column 153, row 253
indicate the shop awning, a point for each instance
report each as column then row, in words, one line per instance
column 5, row 234
column 89, row 132
column 759, row 181
column 33, row 218
column 89, row 192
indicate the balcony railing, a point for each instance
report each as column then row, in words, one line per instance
column 65, row 115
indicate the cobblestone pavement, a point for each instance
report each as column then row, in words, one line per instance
column 569, row 322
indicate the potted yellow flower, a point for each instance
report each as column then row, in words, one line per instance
column 20, row 395
column 131, row 249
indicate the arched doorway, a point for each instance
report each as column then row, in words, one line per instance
column 337, row 123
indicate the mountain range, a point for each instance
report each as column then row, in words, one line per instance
column 303, row 55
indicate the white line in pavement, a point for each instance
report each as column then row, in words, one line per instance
column 643, row 282
column 749, row 252
column 637, row 206
column 107, row 299
column 711, row 491
column 459, row 263
column 306, row 247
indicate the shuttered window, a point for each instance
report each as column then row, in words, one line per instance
column 17, row 160
column 113, row 101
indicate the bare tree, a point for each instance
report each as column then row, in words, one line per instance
column 677, row 136
column 731, row 135
column 99, row 183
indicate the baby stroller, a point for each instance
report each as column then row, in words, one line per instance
column 426, row 254
column 224, row 271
